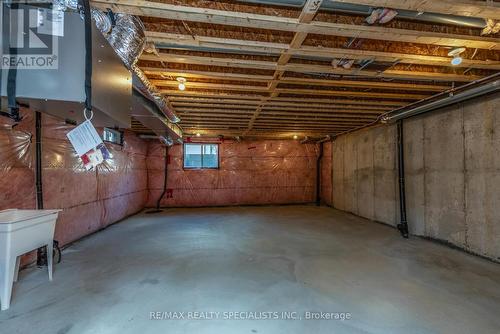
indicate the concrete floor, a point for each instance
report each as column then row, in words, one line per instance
column 259, row 259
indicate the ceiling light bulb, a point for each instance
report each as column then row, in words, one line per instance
column 457, row 60
column 182, row 83
column 198, row 134
column 295, row 137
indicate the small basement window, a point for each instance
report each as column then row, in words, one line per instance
column 113, row 136
column 198, row 156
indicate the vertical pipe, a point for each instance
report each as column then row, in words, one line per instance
column 318, row 175
column 165, row 175
column 403, row 225
column 41, row 258
column 38, row 160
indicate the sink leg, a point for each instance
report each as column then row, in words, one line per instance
column 6, row 281
column 16, row 269
column 50, row 258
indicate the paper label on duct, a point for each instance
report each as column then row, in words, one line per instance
column 88, row 145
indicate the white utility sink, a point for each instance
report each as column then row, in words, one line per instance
column 22, row 231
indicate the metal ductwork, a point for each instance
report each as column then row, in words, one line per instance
column 333, row 6
column 475, row 91
column 148, row 104
column 142, row 83
column 128, row 39
column 146, row 111
column 167, row 141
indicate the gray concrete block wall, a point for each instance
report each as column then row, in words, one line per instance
column 452, row 166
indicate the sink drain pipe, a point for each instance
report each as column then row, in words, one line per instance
column 403, row 224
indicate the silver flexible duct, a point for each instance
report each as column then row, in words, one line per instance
column 102, row 21
column 62, row 5
column 127, row 38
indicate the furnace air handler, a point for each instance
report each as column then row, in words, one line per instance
column 43, row 57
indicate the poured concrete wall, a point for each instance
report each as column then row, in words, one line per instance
column 364, row 174
column 452, row 167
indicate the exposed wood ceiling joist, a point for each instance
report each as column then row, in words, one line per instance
column 302, row 108
column 305, row 68
column 281, row 101
column 302, row 81
column 241, row 88
column 246, row 46
column 355, row 114
column 240, row 19
column 310, row 9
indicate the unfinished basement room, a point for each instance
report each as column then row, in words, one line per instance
column 250, row 166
